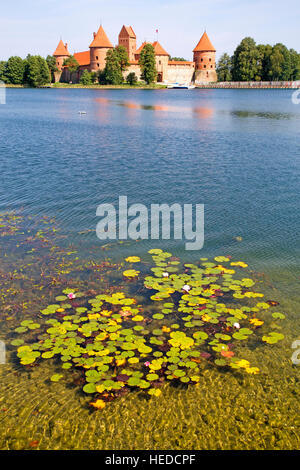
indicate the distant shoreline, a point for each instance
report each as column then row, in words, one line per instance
column 210, row 86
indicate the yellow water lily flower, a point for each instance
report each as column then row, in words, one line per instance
column 243, row 364
column 94, row 316
column 60, row 310
column 256, row 322
column 99, row 404
column 106, row 313
column 133, row 259
column 165, row 329
column 241, row 264
column 195, row 378
column 206, row 317
column 201, row 301
column 252, row 370
column 120, row 362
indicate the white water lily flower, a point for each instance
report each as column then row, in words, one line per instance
column 186, row 288
column 165, row 274
column 237, row 325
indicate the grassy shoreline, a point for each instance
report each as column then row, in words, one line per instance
column 148, row 87
column 95, row 87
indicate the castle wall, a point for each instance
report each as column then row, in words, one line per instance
column 183, row 73
column 133, row 68
column 170, row 73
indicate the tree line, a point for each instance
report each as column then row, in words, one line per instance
column 250, row 62
column 36, row 71
column 33, row 71
column 259, row 62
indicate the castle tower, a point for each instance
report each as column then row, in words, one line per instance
column 98, row 50
column 61, row 54
column 127, row 38
column 205, row 61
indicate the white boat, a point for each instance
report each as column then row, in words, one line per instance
column 181, row 86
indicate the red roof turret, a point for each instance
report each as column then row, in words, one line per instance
column 61, row 50
column 101, row 40
column 204, row 45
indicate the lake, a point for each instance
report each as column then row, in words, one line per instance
column 235, row 151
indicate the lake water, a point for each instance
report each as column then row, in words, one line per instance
column 235, row 151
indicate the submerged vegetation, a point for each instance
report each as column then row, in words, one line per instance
column 135, row 325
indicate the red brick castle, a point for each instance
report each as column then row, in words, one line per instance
column 201, row 70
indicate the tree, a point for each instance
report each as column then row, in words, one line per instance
column 86, row 78
column 44, row 73
column 113, row 73
column 123, row 57
column 2, row 71
column 148, row 64
column 15, row 69
column 51, row 62
column 101, row 77
column 131, row 79
column 295, row 65
column 265, row 51
column 72, row 64
column 177, row 59
column 281, row 66
column 246, row 61
column 224, row 68
column 37, row 72
column 94, row 77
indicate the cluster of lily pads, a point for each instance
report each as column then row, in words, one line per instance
column 165, row 324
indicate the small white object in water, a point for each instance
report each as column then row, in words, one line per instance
column 81, row 112
column 237, row 325
column 165, row 274
column 186, row 288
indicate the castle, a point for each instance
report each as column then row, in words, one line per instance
column 201, row 70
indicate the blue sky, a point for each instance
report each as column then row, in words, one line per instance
column 35, row 26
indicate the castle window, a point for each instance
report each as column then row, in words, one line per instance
column 204, row 66
column 209, row 60
column 211, row 66
column 160, row 62
column 201, row 60
column 96, row 57
column 98, row 65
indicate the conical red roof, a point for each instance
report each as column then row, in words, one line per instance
column 158, row 49
column 204, row 45
column 101, row 40
column 61, row 50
